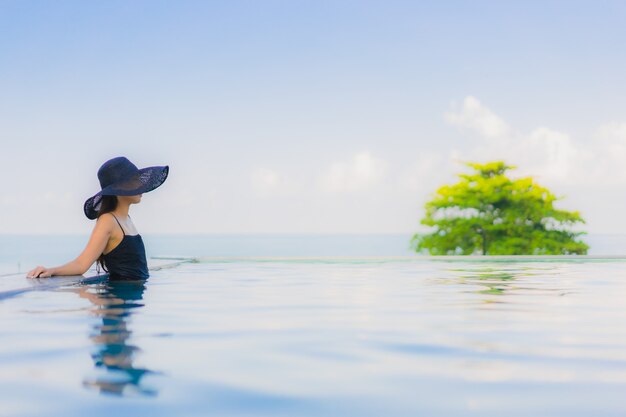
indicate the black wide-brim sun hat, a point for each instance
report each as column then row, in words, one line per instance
column 119, row 176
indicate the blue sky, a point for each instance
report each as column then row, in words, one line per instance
column 306, row 116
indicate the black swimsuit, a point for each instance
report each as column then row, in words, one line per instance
column 128, row 259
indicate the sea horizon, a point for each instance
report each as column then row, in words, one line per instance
column 20, row 252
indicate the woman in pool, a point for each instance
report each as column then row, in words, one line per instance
column 114, row 242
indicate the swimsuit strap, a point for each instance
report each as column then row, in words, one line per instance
column 118, row 223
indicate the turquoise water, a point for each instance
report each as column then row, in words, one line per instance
column 324, row 337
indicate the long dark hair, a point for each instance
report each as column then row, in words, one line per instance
column 107, row 205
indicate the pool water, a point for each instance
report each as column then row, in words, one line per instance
column 324, row 337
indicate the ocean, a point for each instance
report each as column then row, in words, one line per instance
column 23, row 252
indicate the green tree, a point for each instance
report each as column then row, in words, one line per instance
column 488, row 213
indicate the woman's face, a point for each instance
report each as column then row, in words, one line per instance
column 130, row 199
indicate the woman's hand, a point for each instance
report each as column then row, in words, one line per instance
column 40, row 272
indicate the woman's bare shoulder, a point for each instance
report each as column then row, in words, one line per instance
column 106, row 221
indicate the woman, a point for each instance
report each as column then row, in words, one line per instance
column 114, row 242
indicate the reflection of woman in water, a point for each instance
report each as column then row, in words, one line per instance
column 114, row 242
column 116, row 301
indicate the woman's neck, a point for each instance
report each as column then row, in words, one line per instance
column 122, row 209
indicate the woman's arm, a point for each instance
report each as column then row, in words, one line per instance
column 96, row 245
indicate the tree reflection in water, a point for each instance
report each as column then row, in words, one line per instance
column 114, row 354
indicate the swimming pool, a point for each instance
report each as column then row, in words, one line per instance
column 324, row 337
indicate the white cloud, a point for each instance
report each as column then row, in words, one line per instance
column 264, row 178
column 362, row 172
column 613, row 132
column 268, row 181
column 427, row 170
column 550, row 155
column 474, row 116
column 609, row 143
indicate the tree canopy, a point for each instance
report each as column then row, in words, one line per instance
column 488, row 213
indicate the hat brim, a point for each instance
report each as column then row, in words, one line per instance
column 143, row 181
